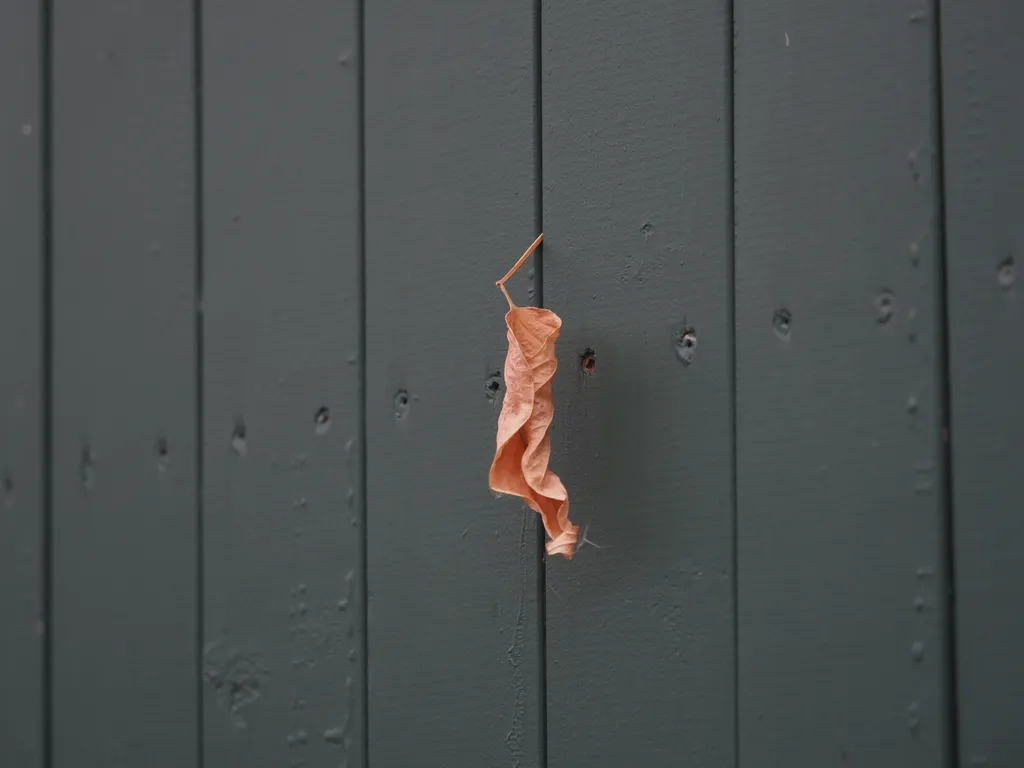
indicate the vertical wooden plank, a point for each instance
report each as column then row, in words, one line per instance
column 839, row 399
column 453, row 617
column 21, row 383
column 283, row 594
column 124, row 372
column 637, row 262
column 984, row 181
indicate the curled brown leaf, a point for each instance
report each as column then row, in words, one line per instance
column 520, row 465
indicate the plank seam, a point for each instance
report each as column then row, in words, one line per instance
column 199, row 233
column 538, row 195
column 730, row 207
column 945, row 400
column 46, row 170
column 361, row 257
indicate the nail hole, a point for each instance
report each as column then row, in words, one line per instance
column 162, row 453
column 917, row 651
column 322, row 420
column 492, row 386
column 1006, row 274
column 588, row 362
column 686, row 345
column 781, row 322
column 884, row 307
column 87, row 468
column 239, row 442
column 401, row 404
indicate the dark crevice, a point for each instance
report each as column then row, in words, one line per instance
column 46, row 171
column 945, row 415
column 538, row 285
column 361, row 247
column 730, row 207
column 200, row 552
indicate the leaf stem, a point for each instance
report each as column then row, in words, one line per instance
column 516, row 266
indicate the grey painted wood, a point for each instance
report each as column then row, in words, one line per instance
column 840, row 459
column 453, row 612
column 125, row 667
column 984, row 182
column 21, row 384
column 282, row 500
column 637, row 249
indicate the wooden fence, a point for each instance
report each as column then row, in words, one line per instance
column 251, row 371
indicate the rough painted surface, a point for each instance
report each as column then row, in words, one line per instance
column 984, row 179
column 124, row 373
column 840, row 459
column 21, row 385
column 453, row 614
column 209, row 524
column 282, row 502
column 636, row 261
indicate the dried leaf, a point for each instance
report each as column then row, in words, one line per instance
column 520, row 464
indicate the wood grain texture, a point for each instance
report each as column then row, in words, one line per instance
column 637, row 249
column 453, row 614
column 842, row 579
column 284, row 587
column 124, row 374
column 21, row 384
column 984, row 182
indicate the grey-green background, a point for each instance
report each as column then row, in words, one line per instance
column 251, row 369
